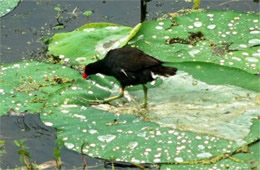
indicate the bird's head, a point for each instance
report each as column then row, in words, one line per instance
column 89, row 70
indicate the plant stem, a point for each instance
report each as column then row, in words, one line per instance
column 83, row 157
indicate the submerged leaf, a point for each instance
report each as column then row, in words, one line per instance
column 87, row 13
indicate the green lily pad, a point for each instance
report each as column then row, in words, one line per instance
column 245, row 157
column 227, row 38
column 203, row 115
column 83, row 44
column 218, row 75
column 7, row 6
column 131, row 137
column 115, row 134
column 26, row 86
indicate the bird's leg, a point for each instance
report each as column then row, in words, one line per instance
column 108, row 99
column 115, row 97
column 144, row 105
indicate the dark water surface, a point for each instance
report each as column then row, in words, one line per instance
column 41, row 141
column 20, row 38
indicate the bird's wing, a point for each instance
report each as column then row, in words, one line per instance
column 134, row 61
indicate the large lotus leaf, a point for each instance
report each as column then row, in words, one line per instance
column 7, row 6
column 227, row 38
column 217, row 75
column 245, row 157
column 30, row 86
column 226, row 109
column 134, row 138
column 83, row 44
column 178, row 105
column 126, row 137
column 202, row 114
column 26, row 86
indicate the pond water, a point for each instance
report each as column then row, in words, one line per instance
column 21, row 34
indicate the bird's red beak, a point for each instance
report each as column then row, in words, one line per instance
column 84, row 75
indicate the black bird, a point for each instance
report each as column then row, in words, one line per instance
column 130, row 66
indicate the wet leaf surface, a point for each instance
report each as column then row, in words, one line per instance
column 117, row 135
column 26, row 86
column 246, row 157
column 7, row 6
column 83, row 45
column 202, row 115
column 210, row 36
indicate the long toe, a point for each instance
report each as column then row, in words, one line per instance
column 144, row 105
column 93, row 102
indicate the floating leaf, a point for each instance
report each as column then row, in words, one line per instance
column 7, row 6
column 135, row 138
column 202, row 115
column 95, row 39
column 132, row 138
column 246, row 157
column 2, row 147
column 196, row 4
column 217, row 75
column 58, row 9
column 227, row 38
column 58, row 27
column 87, row 13
column 26, row 86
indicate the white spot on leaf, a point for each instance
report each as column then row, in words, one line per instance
column 92, row 131
column 254, row 41
column 132, row 145
column 242, row 45
column 204, row 155
column 159, row 27
column 69, row 145
column 106, row 138
column 252, row 59
column 48, row 123
column 178, row 159
column 112, row 28
column 89, row 29
column 255, row 32
column 194, row 52
column 197, row 24
column 236, row 58
column 211, row 27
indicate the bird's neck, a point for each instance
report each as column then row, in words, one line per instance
column 99, row 67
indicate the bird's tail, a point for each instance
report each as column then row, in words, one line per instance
column 164, row 71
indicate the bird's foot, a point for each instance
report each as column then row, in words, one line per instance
column 92, row 102
column 107, row 100
column 144, row 105
column 95, row 102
